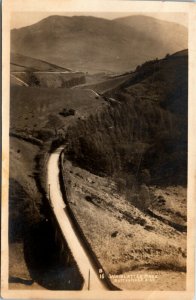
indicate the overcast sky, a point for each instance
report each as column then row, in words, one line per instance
column 24, row 19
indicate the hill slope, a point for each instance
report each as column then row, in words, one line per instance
column 167, row 33
column 25, row 63
column 148, row 128
column 94, row 44
column 113, row 149
column 140, row 143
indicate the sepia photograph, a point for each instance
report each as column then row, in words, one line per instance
column 98, row 155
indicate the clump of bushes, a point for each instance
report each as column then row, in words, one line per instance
column 67, row 112
column 45, row 133
column 32, row 79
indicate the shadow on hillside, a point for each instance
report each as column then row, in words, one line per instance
column 178, row 227
column 45, row 265
column 14, row 279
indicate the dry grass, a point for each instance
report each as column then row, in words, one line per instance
column 175, row 206
column 22, row 165
column 31, row 107
column 123, row 237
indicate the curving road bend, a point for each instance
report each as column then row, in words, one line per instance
column 79, row 252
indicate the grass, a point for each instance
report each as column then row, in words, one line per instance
column 121, row 245
column 31, row 107
column 108, row 84
column 22, row 164
column 25, row 63
column 175, row 207
column 24, row 203
column 50, row 79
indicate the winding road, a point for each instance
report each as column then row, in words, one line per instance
column 76, row 247
column 19, row 80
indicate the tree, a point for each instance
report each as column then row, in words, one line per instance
column 32, row 79
column 55, row 122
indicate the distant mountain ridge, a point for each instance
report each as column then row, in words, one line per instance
column 163, row 31
column 95, row 44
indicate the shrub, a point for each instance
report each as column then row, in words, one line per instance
column 67, row 112
column 45, row 134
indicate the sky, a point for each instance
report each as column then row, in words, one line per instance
column 22, row 19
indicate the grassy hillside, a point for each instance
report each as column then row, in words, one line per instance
column 33, row 109
column 127, row 240
column 164, row 81
column 125, row 172
column 48, row 79
column 28, row 71
column 24, row 206
column 24, row 195
column 21, row 62
column 108, row 84
column 147, row 129
column 75, row 42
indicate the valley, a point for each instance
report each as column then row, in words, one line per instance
column 121, row 124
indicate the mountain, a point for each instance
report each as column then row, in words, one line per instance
column 167, row 33
column 95, row 44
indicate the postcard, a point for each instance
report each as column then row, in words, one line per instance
column 99, row 154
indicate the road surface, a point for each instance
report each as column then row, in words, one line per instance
column 19, row 80
column 59, row 208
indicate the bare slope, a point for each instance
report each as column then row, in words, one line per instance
column 126, row 240
column 28, row 71
column 31, row 108
column 21, row 62
column 167, row 33
column 24, row 204
column 94, row 44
